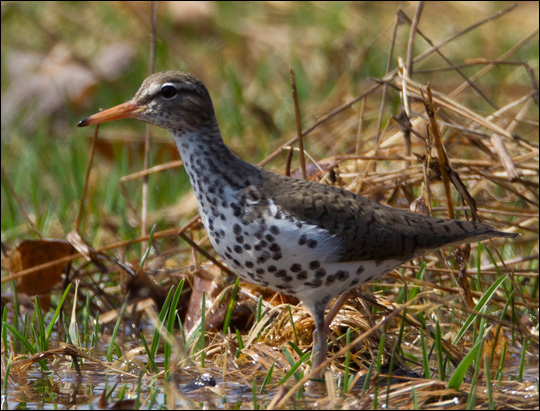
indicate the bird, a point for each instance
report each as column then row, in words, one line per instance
column 302, row 238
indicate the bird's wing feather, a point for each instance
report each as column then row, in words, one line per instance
column 369, row 230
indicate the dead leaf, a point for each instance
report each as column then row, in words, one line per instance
column 31, row 253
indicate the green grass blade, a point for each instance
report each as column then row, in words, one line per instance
column 296, row 348
column 259, row 309
column 522, row 360
column 439, row 351
column 230, row 308
column 416, row 405
column 395, row 352
column 294, row 366
column 478, row 284
column 500, row 370
column 347, row 361
column 378, row 363
column 151, row 366
column 57, row 312
column 137, row 404
column 40, row 337
column 115, row 330
column 4, row 328
column 162, row 316
column 292, row 323
column 254, row 404
column 267, row 377
column 5, row 383
column 487, row 374
column 459, row 373
column 148, row 247
column 479, row 307
column 240, row 343
column 425, row 356
column 171, row 318
column 259, row 313
column 21, row 338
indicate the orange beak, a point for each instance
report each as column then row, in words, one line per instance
column 129, row 109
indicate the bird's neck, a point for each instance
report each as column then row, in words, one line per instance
column 211, row 165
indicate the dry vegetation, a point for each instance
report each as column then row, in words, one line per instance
column 448, row 134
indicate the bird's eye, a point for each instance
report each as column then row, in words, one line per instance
column 168, row 91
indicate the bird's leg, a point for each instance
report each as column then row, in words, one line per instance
column 320, row 346
column 322, row 324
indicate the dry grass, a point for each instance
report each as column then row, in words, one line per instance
column 425, row 140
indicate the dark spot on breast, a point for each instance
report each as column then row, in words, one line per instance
column 274, row 247
column 314, row 284
column 260, row 245
column 281, row 273
column 302, row 275
column 342, row 275
column 321, row 272
column 287, row 278
column 263, row 257
column 296, row 268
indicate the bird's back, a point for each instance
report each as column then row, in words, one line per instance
column 369, row 230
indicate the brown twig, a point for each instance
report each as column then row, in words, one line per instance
column 298, row 124
column 147, row 134
column 412, row 36
column 87, row 178
column 441, row 153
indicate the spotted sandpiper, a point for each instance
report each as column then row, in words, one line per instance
column 302, row 238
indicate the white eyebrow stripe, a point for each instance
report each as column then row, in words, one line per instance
column 154, row 88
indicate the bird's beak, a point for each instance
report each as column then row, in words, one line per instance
column 129, row 109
